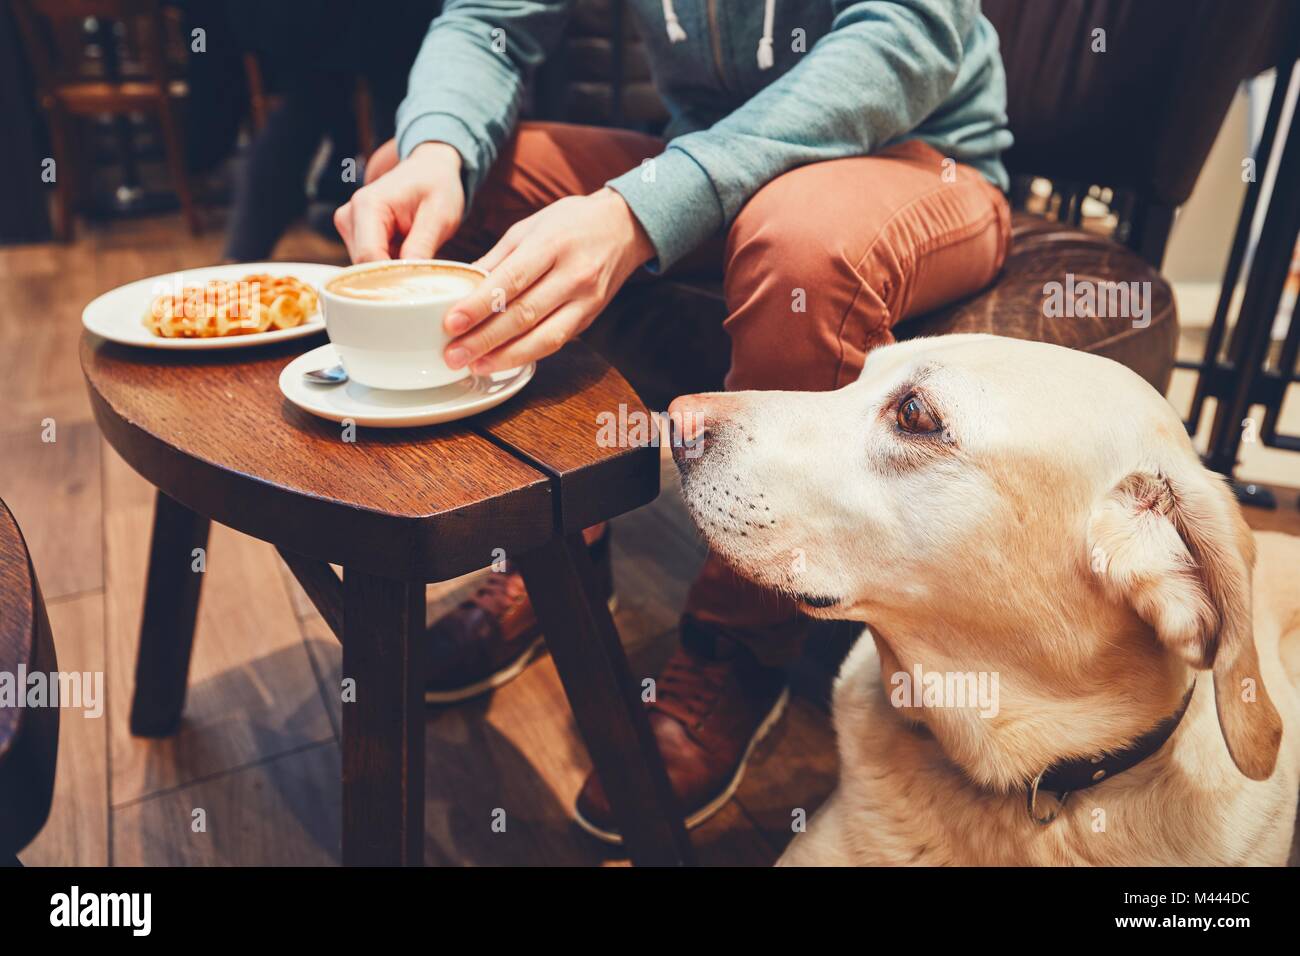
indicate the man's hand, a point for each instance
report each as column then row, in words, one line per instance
column 382, row 160
column 548, row 278
column 420, row 198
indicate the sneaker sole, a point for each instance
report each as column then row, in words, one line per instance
column 503, row 676
column 717, row 803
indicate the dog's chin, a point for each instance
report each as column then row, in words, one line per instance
column 757, row 565
column 812, row 604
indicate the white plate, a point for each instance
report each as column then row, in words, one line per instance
column 396, row 408
column 118, row 315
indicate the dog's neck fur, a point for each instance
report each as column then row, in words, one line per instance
column 1099, row 701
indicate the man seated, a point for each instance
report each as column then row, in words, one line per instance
column 836, row 162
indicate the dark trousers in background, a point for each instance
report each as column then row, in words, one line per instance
column 315, row 64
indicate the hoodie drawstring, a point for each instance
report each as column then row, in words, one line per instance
column 676, row 34
column 765, row 44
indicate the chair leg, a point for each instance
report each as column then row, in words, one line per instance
column 383, row 721
column 171, row 604
column 64, row 173
column 256, row 91
column 175, row 149
column 585, row 647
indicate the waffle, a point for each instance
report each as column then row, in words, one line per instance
column 220, row 307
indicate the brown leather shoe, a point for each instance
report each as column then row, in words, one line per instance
column 493, row 635
column 714, row 703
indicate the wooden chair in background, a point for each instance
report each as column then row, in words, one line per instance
column 69, row 87
column 261, row 102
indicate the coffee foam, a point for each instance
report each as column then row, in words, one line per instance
column 405, row 283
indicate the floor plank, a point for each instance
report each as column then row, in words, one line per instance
column 1285, row 517
column 302, row 605
column 40, row 325
column 253, row 692
column 76, row 833
column 32, row 261
column 281, row 812
column 53, row 489
column 656, row 556
column 731, row 839
column 326, row 655
column 516, row 757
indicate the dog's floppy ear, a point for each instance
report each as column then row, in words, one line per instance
column 1173, row 545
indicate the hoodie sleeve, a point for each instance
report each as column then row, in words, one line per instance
column 882, row 69
column 468, row 80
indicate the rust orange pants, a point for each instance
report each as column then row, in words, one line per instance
column 869, row 240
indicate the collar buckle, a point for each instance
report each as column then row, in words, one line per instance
column 1079, row 773
column 1031, row 802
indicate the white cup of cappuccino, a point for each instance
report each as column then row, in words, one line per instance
column 385, row 320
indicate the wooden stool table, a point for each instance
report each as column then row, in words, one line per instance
column 29, row 736
column 397, row 509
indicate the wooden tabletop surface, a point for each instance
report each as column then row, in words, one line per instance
column 212, row 430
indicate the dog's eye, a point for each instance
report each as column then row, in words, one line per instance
column 914, row 416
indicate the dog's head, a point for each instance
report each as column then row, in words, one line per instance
column 1025, row 507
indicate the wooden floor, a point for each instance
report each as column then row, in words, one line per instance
column 253, row 775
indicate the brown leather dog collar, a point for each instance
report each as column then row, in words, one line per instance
column 1070, row 776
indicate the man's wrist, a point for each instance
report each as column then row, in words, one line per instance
column 440, row 154
column 640, row 248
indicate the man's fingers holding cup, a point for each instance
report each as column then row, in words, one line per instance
column 543, row 339
column 503, row 285
column 523, row 313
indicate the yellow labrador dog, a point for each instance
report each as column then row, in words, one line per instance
column 1063, row 662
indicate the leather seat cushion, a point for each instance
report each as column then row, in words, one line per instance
column 666, row 336
column 1043, row 252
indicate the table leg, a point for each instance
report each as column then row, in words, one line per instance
column 588, row 655
column 383, row 721
column 171, row 603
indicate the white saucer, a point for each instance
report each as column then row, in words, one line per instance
column 395, row 408
column 117, row 315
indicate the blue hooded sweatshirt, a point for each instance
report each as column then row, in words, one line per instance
column 754, row 88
